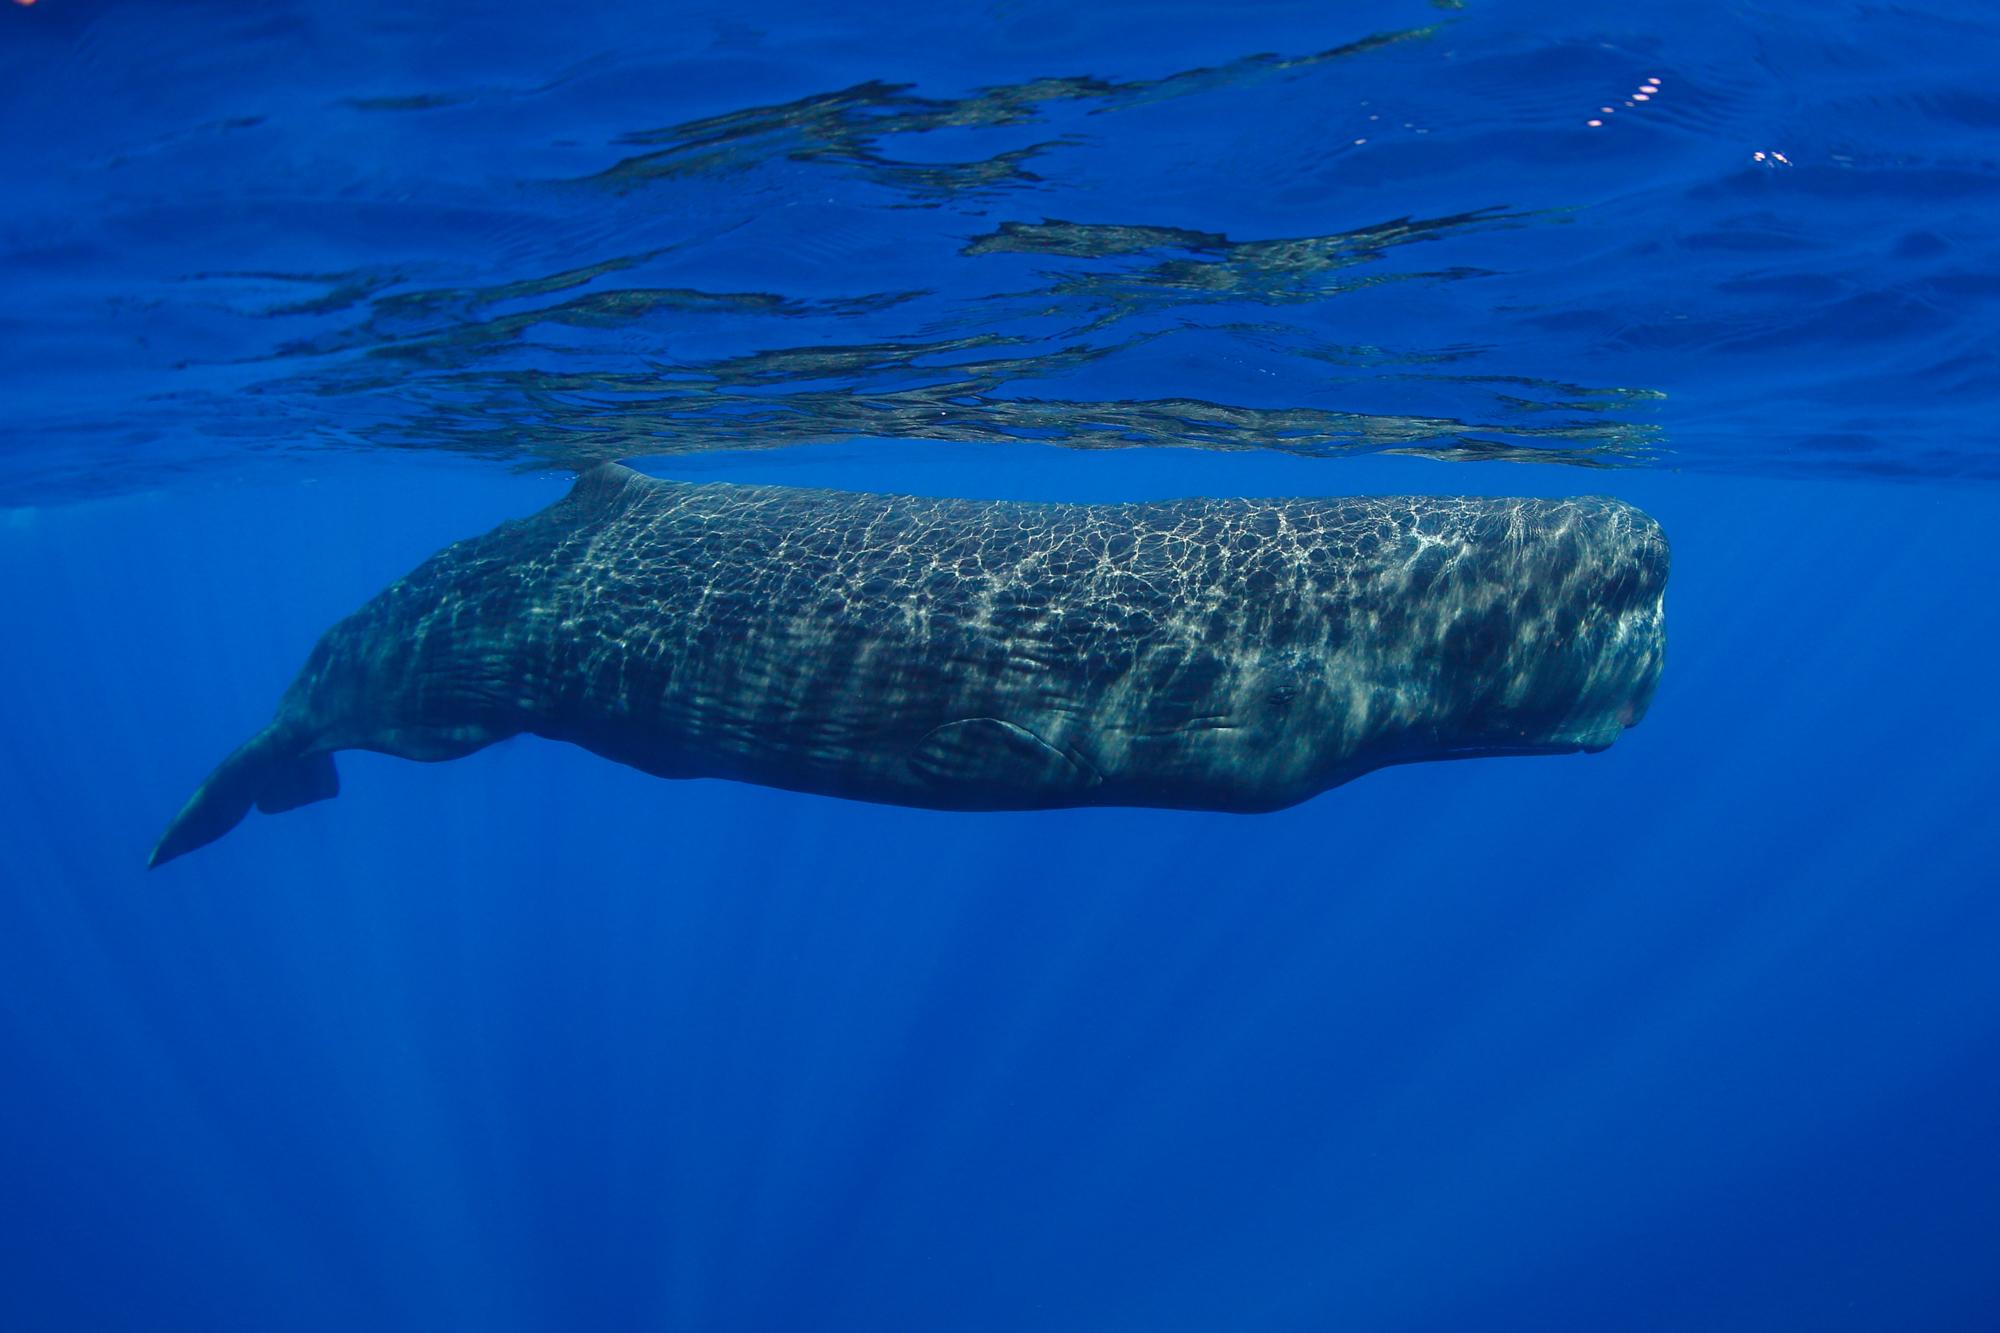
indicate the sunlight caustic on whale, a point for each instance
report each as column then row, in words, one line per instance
column 1217, row 654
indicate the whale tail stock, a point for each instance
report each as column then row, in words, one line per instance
column 267, row 771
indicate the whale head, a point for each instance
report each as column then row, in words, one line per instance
column 1563, row 648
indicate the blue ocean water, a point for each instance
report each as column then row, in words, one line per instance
column 1697, row 1033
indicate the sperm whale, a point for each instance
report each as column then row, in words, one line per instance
column 1213, row 654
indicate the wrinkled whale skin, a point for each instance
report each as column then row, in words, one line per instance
column 1215, row 654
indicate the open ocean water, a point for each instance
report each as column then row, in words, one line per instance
column 1702, row 1032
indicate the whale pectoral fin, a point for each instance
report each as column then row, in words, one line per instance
column 1011, row 761
column 300, row 782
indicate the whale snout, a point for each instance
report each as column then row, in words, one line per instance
column 1625, row 635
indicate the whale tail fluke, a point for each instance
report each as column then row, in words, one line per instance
column 266, row 771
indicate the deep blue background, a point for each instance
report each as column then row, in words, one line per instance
column 1701, row 1032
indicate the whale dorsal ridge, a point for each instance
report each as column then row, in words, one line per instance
column 601, row 486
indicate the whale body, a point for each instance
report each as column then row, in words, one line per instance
column 1213, row 654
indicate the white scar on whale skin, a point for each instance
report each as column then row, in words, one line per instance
column 1215, row 654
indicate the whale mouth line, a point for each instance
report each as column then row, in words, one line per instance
column 1511, row 749
column 1507, row 751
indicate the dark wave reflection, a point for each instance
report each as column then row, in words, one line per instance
column 847, row 128
column 567, row 367
column 1450, row 237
